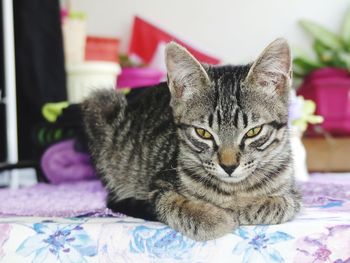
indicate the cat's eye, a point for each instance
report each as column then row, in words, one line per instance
column 253, row 132
column 204, row 134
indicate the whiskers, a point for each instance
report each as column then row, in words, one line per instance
column 196, row 169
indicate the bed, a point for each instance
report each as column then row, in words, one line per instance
column 72, row 224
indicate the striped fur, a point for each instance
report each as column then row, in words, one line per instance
column 156, row 167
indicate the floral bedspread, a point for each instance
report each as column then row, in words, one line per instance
column 321, row 233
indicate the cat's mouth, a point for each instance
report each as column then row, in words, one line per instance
column 240, row 173
column 235, row 177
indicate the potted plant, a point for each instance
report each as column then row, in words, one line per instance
column 326, row 77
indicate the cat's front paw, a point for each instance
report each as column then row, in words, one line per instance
column 215, row 223
column 195, row 219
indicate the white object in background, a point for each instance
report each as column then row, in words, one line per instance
column 10, row 88
column 88, row 76
column 5, row 177
column 299, row 155
column 27, row 177
column 74, row 39
column 158, row 59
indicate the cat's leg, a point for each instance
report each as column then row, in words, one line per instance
column 102, row 110
column 133, row 207
column 196, row 219
column 267, row 210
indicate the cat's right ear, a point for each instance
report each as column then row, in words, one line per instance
column 186, row 76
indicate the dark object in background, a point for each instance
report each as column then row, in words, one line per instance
column 2, row 82
column 2, row 134
column 68, row 125
column 39, row 66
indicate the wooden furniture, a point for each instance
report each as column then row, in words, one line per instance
column 331, row 154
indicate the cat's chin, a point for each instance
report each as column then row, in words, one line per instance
column 232, row 179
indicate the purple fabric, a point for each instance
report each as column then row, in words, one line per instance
column 327, row 191
column 87, row 198
column 64, row 200
column 62, row 163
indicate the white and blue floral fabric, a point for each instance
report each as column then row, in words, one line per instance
column 321, row 233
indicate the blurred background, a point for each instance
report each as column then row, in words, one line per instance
column 234, row 31
column 55, row 52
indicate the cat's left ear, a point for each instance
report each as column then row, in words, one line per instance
column 272, row 71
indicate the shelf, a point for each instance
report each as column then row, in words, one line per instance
column 328, row 155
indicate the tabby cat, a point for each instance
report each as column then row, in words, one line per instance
column 203, row 153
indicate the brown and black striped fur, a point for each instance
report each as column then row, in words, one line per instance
column 156, row 167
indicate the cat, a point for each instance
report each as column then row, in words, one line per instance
column 204, row 152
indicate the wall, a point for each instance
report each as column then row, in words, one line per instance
column 233, row 30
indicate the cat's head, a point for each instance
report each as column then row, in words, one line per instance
column 232, row 119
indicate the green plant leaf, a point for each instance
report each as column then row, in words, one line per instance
column 345, row 59
column 345, row 30
column 299, row 73
column 305, row 59
column 303, row 65
column 325, row 55
column 299, row 52
column 323, row 52
column 320, row 33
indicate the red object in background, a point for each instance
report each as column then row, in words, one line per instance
column 146, row 38
column 102, row 49
column 330, row 89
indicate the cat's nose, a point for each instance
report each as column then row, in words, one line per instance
column 228, row 169
column 228, row 159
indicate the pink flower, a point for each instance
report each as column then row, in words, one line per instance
column 332, row 245
column 322, row 253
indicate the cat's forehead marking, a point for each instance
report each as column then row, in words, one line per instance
column 210, row 120
column 228, row 111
